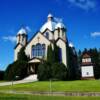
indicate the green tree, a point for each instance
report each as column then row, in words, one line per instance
column 44, row 71
column 18, row 68
column 99, row 56
column 56, row 53
column 59, row 71
column 79, row 57
column 53, row 54
column 8, row 72
column 1, row 75
column 73, row 67
column 50, row 57
column 95, row 60
column 21, row 55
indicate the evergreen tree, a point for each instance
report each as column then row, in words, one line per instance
column 1, row 75
column 53, row 68
column 53, row 54
column 99, row 56
column 85, row 51
column 8, row 72
column 50, row 57
column 79, row 57
column 56, row 53
column 21, row 55
column 95, row 60
column 68, row 59
column 59, row 71
column 72, row 63
column 18, row 68
column 44, row 71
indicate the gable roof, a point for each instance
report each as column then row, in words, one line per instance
column 47, row 30
column 61, row 39
column 35, row 35
column 86, row 55
column 17, row 45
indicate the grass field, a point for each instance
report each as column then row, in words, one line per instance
column 31, row 97
column 62, row 86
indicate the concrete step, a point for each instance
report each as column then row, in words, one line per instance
column 31, row 77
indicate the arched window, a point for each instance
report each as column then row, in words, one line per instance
column 33, row 51
column 38, row 50
column 43, row 50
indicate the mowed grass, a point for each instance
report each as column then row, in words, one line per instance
column 57, row 86
column 34, row 97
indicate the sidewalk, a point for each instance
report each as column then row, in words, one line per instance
column 15, row 82
column 31, row 78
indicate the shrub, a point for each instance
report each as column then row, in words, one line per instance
column 59, row 71
column 1, row 75
column 50, row 54
column 44, row 71
column 56, row 71
column 18, row 68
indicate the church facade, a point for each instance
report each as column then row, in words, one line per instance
column 36, row 47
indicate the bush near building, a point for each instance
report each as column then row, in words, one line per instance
column 55, row 71
column 44, row 71
column 1, row 75
column 18, row 69
column 59, row 71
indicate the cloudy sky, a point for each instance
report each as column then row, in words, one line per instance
column 81, row 18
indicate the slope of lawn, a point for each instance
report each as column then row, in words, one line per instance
column 31, row 97
column 62, row 86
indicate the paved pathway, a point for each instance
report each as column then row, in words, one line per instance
column 31, row 78
column 15, row 82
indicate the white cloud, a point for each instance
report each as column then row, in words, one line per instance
column 83, row 4
column 28, row 29
column 95, row 34
column 58, row 19
column 9, row 38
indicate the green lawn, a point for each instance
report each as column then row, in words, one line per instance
column 62, row 86
column 31, row 97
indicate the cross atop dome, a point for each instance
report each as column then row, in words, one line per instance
column 50, row 17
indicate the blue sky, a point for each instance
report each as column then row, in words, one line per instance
column 81, row 18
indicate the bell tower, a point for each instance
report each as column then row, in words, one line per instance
column 22, row 37
column 60, row 31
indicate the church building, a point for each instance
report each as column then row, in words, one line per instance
column 36, row 47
